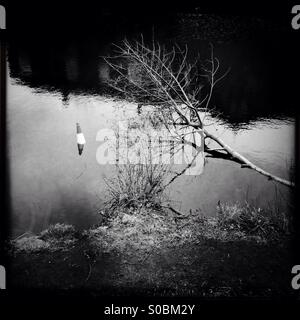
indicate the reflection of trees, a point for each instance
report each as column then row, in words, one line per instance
column 58, row 66
column 64, row 64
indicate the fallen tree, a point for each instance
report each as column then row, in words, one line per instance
column 180, row 91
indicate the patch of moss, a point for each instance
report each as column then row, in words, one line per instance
column 31, row 244
column 59, row 232
column 56, row 237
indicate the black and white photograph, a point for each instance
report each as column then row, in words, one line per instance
column 150, row 150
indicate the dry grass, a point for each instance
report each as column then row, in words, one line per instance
column 56, row 237
column 135, row 186
column 149, row 252
column 265, row 223
column 135, row 228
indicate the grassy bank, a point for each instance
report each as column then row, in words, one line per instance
column 241, row 252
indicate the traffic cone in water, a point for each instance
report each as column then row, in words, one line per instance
column 80, row 139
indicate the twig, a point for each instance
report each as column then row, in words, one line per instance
column 89, row 274
column 179, row 214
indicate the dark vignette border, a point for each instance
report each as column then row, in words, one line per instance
column 18, row 15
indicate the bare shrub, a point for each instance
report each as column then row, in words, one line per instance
column 135, row 185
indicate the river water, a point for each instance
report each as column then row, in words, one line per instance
column 54, row 83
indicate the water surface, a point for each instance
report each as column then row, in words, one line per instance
column 53, row 84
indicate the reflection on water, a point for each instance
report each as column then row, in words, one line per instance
column 54, row 84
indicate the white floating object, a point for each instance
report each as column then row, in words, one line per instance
column 80, row 139
column 2, row 278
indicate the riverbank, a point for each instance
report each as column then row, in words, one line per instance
column 157, row 253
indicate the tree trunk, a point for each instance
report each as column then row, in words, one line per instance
column 246, row 162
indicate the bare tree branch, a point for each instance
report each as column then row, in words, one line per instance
column 168, row 81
